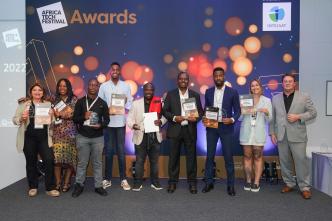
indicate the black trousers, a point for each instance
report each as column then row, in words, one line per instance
column 34, row 145
column 174, row 157
column 149, row 147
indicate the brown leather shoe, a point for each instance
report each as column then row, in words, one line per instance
column 306, row 194
column 286, row 189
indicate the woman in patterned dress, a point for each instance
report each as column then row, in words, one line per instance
column 64, row 133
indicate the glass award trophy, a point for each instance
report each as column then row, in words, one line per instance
column 222, row 114
column 94, row 119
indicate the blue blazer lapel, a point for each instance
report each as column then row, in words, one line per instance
column 190, row 93
column 211, row 95
column 225, row 97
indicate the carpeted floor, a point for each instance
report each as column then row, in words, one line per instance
column 268, row 204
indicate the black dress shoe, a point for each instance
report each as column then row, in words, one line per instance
column 192, row 189
column 78, row 189
column 208, row 188
column 171, row 188
column 231, row 190
column 101, row 191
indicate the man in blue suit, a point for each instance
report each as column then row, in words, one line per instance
column 227, row 100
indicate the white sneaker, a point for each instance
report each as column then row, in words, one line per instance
column 156, row 186
column 106, row 183
column 125, row 185
column 255, row 188
column 137, row 188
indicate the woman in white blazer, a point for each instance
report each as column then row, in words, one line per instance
column 253, row 135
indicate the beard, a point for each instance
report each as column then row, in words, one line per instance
column 219, row 83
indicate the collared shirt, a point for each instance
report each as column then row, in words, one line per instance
column 217, row 100
column 105, row 92
column 183, row 97
column 288, row 101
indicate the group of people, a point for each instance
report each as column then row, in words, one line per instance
column 85, row 128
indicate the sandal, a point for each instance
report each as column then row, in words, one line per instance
column 66, row 187
column 58, row 187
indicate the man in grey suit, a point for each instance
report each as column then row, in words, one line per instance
column 291, row 111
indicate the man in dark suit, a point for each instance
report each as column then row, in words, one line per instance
column 181, row 130
column 227, row 100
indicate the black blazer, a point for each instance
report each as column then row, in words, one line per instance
column 172, row 107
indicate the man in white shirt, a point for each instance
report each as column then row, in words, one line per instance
column 227, row 100
column 116, row 130
column 182, row 130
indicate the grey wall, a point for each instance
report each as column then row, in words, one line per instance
column 316, row 65
column 12, row 78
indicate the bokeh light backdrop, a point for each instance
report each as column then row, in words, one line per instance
column 168, row 37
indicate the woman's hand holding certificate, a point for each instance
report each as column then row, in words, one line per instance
column 246, row 103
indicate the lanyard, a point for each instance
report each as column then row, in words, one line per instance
column 87, row 105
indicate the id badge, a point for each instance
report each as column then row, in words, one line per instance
column 253, row 122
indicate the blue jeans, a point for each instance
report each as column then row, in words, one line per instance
column 115, row 140
column 85, row 147
column 212, row 136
